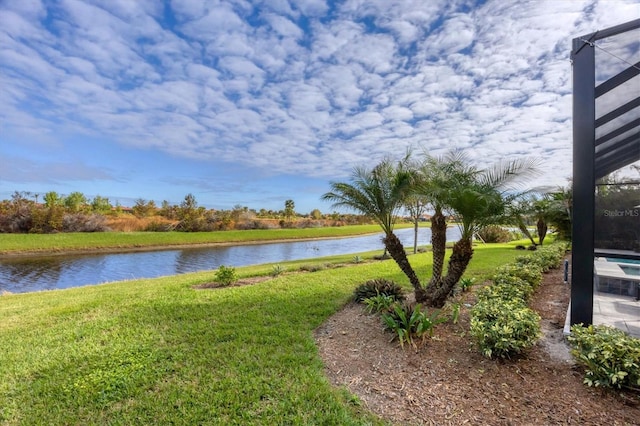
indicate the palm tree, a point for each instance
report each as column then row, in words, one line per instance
column 476, row 197
column 518, row 214
column 379, row 194
column 436, row 176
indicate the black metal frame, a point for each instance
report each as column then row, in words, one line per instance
column 594, row 158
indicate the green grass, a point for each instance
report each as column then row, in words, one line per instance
column 12, row 243
column 157, row 351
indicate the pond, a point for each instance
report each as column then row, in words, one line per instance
column 24, row 274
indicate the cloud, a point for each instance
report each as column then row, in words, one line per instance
column 308, row 87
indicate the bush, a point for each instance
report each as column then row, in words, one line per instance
column 377, row 287
column 545, row 258
column 466, row 284
column 514, row 288
column 530, row 273
column 79, row 222
column 226, row 275
column 611, row 357
column 494, row 234
column 408, row 322
column 378, row 303
column 503, row 328
column 277, row 270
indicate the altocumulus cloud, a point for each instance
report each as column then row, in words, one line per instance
column 307, row 88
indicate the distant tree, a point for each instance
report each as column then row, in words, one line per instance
column 75, row 202
column 100, row 205
column 518, row 213
column 315, row 214
column 289, row 209
column 416, row 206
column 561, row 212
column 52, row 199
column 190, row 214
column 189, row 203
column 168, row 210
column 143, row 208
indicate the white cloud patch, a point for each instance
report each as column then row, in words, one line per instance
column 307, row 87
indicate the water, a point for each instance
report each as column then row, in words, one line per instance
column 631, row 270
column 19, row 275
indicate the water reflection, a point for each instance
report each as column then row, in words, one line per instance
column 31, row 274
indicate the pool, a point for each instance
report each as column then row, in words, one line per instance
column 618, row 276
column 630, row 270
column 629, row 261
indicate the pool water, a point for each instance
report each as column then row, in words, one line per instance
column 630, row 270
column 629, row 261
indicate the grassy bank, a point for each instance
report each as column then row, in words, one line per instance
column 34, row 243
column 159, row 352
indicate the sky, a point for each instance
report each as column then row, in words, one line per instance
column 256, row 102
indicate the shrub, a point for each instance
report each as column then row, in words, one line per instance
column 494, row 234
column 277, row 270
column 79, row 222
column 506, row 290
column 408, row 322
column 226, row 275
column 357, row 259
column 378, row 303
column 466, row 284
column 159, row 226
column 611, row 358
column 530, row 273
column 503, row 328
column 546, row 258
column 376, row 287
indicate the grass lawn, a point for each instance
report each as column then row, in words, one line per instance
column 13, row 243
column 157, row 351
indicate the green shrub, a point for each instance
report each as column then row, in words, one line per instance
column 378, row 303
column 611, row 357
column 376, row 287
column 513, row 288
column 502, row 328
column 277, row 270
column 530, row 273
column 409, row 322
column 357, row 259
column 545, row 258
column 494, row 234
column 466, row 284
column 552, row 255
column 226, row 275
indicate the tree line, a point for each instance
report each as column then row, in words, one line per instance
column 51, row 212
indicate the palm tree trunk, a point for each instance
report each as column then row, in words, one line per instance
column 460, row 258
column 438, row 245
column 415, row 235
column 542, row 230
column 396, row 251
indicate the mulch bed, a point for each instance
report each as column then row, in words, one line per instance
column 448, row 382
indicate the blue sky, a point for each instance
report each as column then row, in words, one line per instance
column 257, row 102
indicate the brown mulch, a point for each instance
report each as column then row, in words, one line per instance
column 448, row 382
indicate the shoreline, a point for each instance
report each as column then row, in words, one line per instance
column 134, row 249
